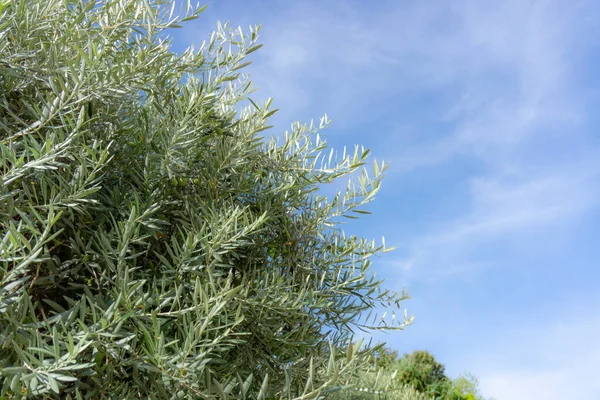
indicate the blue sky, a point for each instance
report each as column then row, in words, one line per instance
column 487, row 113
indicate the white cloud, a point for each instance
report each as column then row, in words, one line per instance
column 557, row 362
column 527, row 385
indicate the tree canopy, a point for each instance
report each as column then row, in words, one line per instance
column 153, row 243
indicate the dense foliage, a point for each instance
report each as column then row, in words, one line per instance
column 153, row 244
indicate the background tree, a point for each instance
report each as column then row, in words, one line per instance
column 417, row 375
column 422, row 371
column 154, row 245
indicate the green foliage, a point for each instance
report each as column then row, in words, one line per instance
column 422, row 371
column 153, row 245
column 417, row 375
column 465, row 387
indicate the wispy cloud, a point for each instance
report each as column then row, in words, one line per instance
column 396, row 47
column 517, row 110
column 552, row 362
column 500, row 208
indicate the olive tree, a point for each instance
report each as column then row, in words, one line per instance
column 152, row 243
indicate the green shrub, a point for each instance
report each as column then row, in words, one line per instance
column 153, row 244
